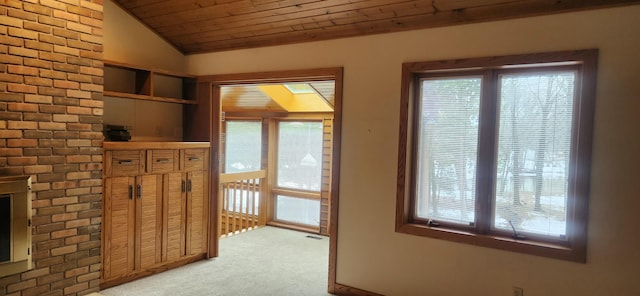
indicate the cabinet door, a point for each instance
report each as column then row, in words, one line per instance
column 175, row 213
column 197, row 208
column 149, row 220
column 119, row 226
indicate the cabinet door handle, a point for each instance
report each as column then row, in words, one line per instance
column 163, row 160
column 139, row 191
column 184, row 185
column 194, row 158
column 125, row 162
column 130, row 191
column 189, row 187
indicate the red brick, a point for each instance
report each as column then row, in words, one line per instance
column 78, row 175
column 64, row 217
column 64, row 250
column 30, row 98
column 48, row 20
column 24, row 107
column 64, row 200
column 37, row 27
column 78, row 110
column 4, row 152
column 11, row 21
column 22, row 33
column 34, row 273
column 77, row 223
column 23, row 161
column 10, row 134
column 38, row 81
column 76, row 288
column 54, row 4
column 39, row 9
column 21, row 285
column 41, row 64
column 64, row 233
column 89, row 276
column 15, row 69
column 21, row 88
column 76, row 271
column 66, row 84
column 37, row 169
column 22, row 125
column 22, row 143
column 37, row 45
column 18, row 51
column 21, row 13
column 52, row 126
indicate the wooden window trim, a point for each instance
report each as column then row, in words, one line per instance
column 574, row 248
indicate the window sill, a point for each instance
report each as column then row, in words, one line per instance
column 530, row 247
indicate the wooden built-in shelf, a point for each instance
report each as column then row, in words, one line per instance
column 135, row 82
column 148, row 98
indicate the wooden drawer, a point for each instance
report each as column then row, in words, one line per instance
column 161, row 161
column 125, row 163
column 195, row 159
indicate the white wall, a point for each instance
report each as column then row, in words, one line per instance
column 126, row 40
column 372, row 256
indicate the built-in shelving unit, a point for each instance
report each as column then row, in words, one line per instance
column 123, row 80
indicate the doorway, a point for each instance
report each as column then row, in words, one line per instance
column 275, row 148
column 207, row 120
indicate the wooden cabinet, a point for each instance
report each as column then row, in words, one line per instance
column 156, row 207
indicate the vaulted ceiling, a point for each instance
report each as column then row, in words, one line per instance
column 196, row 26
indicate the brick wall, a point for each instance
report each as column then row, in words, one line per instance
column 50, row 128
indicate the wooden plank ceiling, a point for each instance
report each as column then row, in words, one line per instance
column 196, row 26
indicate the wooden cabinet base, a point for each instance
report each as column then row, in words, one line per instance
column 151, row 271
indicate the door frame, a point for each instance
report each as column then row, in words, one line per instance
column 202, row 122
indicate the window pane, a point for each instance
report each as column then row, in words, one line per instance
column 533, row 152
column 243, row 146
column 298, row 210
column 300, row 155
column 447, row 149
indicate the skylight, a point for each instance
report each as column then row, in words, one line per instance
column 299, row 88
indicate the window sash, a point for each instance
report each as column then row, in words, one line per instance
column 570, row 247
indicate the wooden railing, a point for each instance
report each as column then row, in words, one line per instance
column 241, row 202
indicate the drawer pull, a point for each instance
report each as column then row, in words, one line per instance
column 194, row 158
column 125, row 162
column 163, row 160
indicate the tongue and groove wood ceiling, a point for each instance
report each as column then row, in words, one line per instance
column 196, row 26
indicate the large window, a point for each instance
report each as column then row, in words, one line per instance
column 496, row 151
column 243, row 146
column 299, row 172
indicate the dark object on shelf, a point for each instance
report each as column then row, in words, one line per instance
column 116, row 133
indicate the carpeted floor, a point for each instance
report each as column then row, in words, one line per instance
column 265, row 261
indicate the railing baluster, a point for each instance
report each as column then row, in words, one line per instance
column 240, row 201
column 225, row 206
column 253, row 203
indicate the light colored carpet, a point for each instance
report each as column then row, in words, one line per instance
column 265, row 261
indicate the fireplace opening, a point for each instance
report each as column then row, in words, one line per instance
column 15, row 224
column 5, row 227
